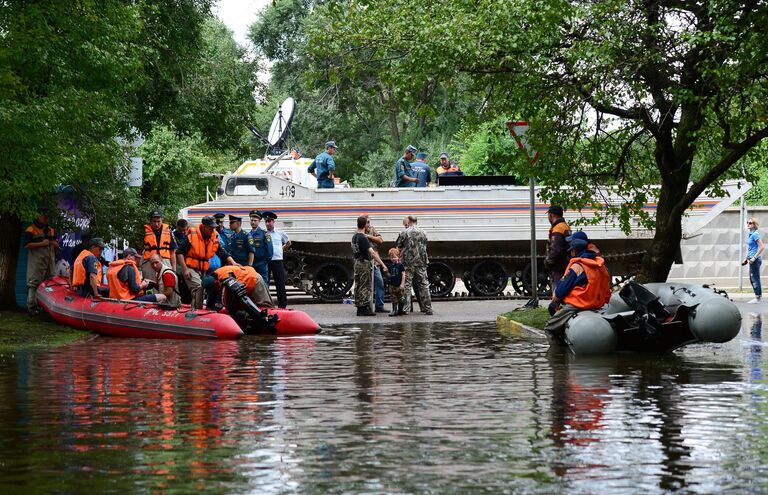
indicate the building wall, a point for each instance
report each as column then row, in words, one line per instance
column 713, row 256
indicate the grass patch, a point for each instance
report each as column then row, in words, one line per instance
column 20, row 331
column 535, row 318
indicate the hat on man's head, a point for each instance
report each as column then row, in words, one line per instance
column 268, row 215
column 556, row 210
column 421, row 154
column 219, row 215
column 129, row 252
column 331, row 144
column 255, row 213
column 578, row 241
column 208, row 221
column 443, row 155
column 411, row 148
column 98, row 241
column 233, row 218
column 155, row 214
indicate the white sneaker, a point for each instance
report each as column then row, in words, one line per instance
column 755, row 301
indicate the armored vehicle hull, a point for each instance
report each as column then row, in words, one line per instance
column 480, row 234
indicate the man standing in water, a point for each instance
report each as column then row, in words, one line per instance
column 41, row 244
column 364, row 256
column 412, row 243
column 280, row 243
column 557, row 249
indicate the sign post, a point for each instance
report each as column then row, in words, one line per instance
column 518, row 129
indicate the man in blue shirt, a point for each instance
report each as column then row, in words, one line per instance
column 404, row 176
column 323, row 167
column 262, row 246
column 755, row 248
column 240, row 244
column 422, row 170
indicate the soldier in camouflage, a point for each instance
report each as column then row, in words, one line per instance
column 412, row 243
column 364, row 256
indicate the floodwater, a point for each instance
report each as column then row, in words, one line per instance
column 442, row 408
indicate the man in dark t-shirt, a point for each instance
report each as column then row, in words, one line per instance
column 363, row 253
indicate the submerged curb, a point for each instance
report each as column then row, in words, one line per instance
column 508, row 325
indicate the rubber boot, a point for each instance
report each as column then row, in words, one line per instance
column 395, row 308
column 365, row 311
column 400, row 311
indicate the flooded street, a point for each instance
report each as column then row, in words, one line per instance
column 410, row 408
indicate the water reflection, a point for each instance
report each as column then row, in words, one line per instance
column 373, row 409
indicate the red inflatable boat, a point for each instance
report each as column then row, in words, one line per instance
column 120, row 318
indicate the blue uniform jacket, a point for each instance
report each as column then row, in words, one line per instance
column 403, row 167
column 262, row 246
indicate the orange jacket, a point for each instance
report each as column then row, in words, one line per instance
column 150, row 241
column 78, row 271
column 200, row 250
column 39, row 234
column 597, row 292
column 246, row 275
column 117, row 288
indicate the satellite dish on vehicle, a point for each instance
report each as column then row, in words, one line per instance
column 282, row 122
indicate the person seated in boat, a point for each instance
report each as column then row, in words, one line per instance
column 246, row 275
column 586, row 285
column 447, row 168
column 167, row 281
column 124, row 279
column 86, row 270
column 195, row 255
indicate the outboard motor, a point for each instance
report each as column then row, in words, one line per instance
column 649, row 312
column 248, row 316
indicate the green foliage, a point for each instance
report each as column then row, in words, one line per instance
column 64, row 69
column 173, row 163
column 621, row 94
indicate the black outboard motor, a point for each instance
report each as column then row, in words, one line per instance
column 248, row 316
column 649, row 312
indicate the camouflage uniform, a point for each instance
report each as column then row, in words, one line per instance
column 363, row 272
column 412, row 242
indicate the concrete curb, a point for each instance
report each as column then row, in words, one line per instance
column 507, row 325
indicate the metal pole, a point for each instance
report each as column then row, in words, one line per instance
column 534, row 302
column 742, row 223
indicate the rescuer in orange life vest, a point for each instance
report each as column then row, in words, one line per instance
column 86, row 270
column 40, row 241
column 246, row 275
column 195, row 254
column 557, row 248
column 586, row 285
column 125, row 282
column 157, row 239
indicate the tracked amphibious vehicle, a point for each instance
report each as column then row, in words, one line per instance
column 478, row 233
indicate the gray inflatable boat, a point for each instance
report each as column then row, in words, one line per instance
column 657, row 317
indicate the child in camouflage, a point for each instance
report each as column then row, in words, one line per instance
column 396, row 282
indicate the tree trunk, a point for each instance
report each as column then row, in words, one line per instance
column 10, row 228
column 658, row 260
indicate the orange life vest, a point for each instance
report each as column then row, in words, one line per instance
column 78, row 271
column 246, row 275
column 200, row 250
column 117, row 288
column 559, row 228
column 443, row 170
column 150, row 241
column 597, row 292
column 39, row 234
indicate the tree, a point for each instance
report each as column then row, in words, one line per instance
column 618, row 93
column 74, row 76
column 362, row 109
